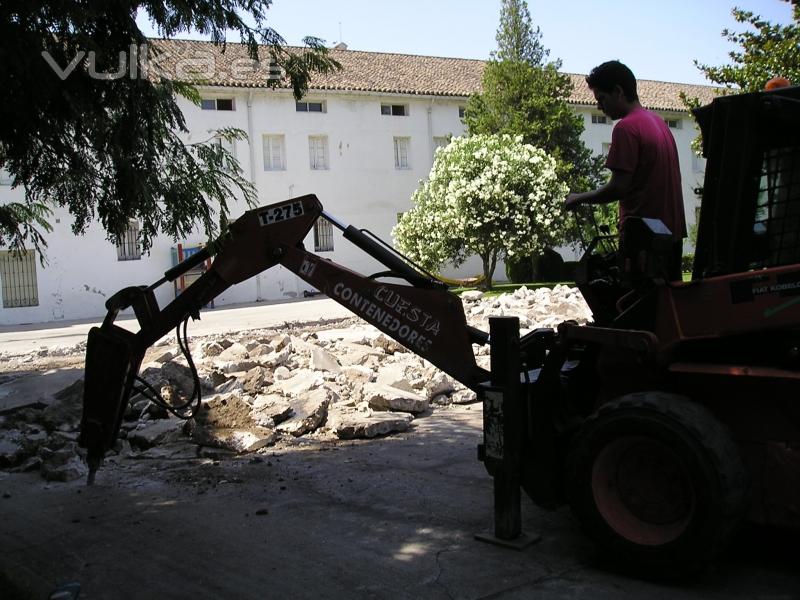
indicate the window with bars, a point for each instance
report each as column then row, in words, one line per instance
column 128, row 247
column 600, row 120
column 674, row 123
column 18, row 279
column 401, row 145
column 776, row 229
column 462, row 110
column 318, row 152
column 274, row 153
column 323, row 235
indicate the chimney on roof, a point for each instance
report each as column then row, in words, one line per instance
column 340, row 46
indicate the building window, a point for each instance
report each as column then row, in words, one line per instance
column 673, row 123
column 600, row 120
column 6, row 178
column 18, row 278
column 401, row 153
column 323, row 235
column 128, row 246
column 462, row 111
column 217, row 104
column 274, row 153
column 310, row 106
column 318, row 152
column 397, row 110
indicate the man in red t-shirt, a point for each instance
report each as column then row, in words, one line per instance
column 643, row 159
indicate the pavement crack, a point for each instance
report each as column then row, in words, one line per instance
column 440, row 570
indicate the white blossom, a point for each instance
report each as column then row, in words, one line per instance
column 484, row 193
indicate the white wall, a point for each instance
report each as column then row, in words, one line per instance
column 361, row 187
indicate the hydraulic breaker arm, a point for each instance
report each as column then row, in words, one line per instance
column 422, row 315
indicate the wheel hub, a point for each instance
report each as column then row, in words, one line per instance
column 643, row 490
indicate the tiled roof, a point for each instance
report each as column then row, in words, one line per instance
column 383, row 73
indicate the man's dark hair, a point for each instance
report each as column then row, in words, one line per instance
column 604, row 77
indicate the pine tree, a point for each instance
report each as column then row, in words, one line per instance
column 516, row 39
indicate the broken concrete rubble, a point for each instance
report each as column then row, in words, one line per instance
column 224, row 411
column 464, row 397
column 268, row 387
column 18, row 445
column 61, row 460
column 439, row 384
column 270, row 409
column 236, row 440
column 395, row 375
column 386, row 397
column 153, row 433
column 256, row 379
column 64, row 413
column 308, row 412
column 349, row 423
column 301, row 381
column 322, row 360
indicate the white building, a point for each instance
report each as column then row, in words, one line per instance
column 361, row 140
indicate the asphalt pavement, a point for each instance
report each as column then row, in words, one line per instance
column 387, row 518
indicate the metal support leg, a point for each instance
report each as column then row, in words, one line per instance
column 503, row 427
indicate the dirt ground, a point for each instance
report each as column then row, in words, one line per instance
column 392, row 517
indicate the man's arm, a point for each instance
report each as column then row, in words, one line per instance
column 617, row 186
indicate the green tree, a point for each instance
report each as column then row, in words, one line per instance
column 108, row 147
column 488, row 195
column 521, row 99
column 525, row 94
column 516, row 39
column 765, row 51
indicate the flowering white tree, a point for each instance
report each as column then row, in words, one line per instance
column 489, row 195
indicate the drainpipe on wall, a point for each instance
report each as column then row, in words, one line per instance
column 252, row 150
column 431, row 145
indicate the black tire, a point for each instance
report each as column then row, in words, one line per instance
column 658, row 484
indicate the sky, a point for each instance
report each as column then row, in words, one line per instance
column 657, row 40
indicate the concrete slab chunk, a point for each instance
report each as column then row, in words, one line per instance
column 348, row 424
column 322, row 360
column 153, row 433
column 310, row 412
column 302, row 381
column 270, row 409
column 385, row 397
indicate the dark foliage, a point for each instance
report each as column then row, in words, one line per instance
column 111, row 148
